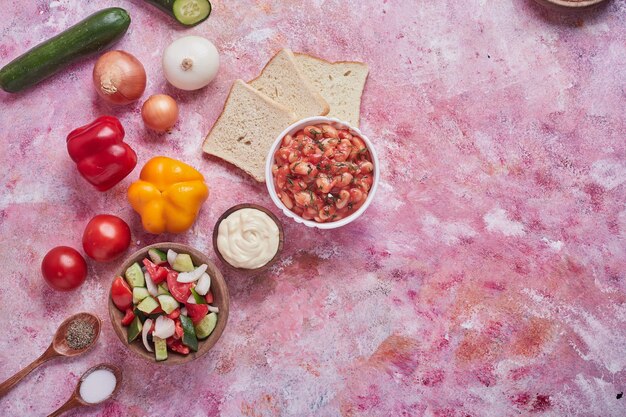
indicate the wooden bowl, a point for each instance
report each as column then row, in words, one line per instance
column 220, row 294
column 569, row 5
column 281, row 236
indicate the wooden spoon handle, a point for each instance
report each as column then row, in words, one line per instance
column 7, row 385
column 73, row 402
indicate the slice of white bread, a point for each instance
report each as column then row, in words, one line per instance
column 248, row 126
column 282, row 81
column 340, row 83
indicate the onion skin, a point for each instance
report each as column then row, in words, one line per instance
column 159, row 112
column 119, row 77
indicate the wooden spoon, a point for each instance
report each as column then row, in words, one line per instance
column 58, row 347
column 77, row 401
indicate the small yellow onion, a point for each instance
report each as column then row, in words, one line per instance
column 119, row 77
column 160, row 112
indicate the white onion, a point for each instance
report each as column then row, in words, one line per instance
column 214, row 309
column 183, row 311
column 191, row 300
column 171, row 257
column 203, row 284
column 187, row 277
column 147, row 325
column 164, row 327
column 152, row 288
column 190, row 62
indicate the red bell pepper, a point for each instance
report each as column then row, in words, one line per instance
column 101, row 155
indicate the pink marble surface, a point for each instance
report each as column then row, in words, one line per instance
column 488, row 278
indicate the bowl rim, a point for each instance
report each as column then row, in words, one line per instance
column 269, row 178
column 573, row 5
column 204, row 346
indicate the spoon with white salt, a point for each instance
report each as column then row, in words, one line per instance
column 96, row 385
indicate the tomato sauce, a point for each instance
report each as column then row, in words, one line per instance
column 323, row 173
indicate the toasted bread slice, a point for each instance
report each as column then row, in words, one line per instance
column 282, row 81
column 247, row 128
column 340, row 83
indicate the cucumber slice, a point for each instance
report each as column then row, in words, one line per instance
column 139, row 293
column 189, row 333
column 183, row 263
column 206, row 326
column 134, row 276
column 148, row 305
column 197, row 297
column 160, row 348
column 157, row 256
column 191, row 12
column 134, row 329
column 168, row 303
column 162, row 289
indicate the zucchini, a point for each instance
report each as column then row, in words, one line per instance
column 186, row 12
column 89, row 36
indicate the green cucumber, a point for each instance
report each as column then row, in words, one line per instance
column 206, row 326
column 183, row 263
column 89, row 36
column 139, row 293
column 134, row 329
column 134, row 276
column 157, row 256
column 162, row 289
column 186, row 12
column 148, row 305
column 160, row 348
column 197, row 297
column 189, row 333
column 168, row 303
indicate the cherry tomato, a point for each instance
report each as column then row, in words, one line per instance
column 121, row 294
column 64, row 268
column 196, row 312
column 106, row 237
column 180, row 291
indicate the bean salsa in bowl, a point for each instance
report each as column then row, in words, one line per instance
column 322, row 172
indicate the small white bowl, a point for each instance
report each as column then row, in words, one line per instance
column 269, row 178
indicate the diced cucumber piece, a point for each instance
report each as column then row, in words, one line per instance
column 157, row 256
column 197, row 297
column 162, row 289
column 160, row 348
column 134, row 276
column 183, row 263
column 206, row 326
column 148, row 305
column 134, row 329
column 139, row 293
column 189, row 333
column 168, row 303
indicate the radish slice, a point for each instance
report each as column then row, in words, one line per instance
column 191, row 300
column 214, row 309
column 187, row 277
column 152, row 288
column 171, row 255
column 147, row 325
column 183, row 311
column 164, row 327
column 203, row 284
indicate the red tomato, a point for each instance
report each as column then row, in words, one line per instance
column 196, row 312
column 174, row 314
column 157, row 273
column 209, row 297
column 106, row 237
column 64, row 268
column 180, row 291
column 121, row 294
column 178, row 331
column 176, row 345
column 128, row 317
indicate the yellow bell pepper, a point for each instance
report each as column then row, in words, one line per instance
column 168, row 195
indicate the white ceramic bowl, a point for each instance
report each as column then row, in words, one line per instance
column 269, row 178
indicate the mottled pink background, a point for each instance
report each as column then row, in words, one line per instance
column 488, row 278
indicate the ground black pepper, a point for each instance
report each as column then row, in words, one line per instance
column 79, row 334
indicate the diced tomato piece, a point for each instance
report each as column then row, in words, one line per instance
column 180, row 291
column 157, row 273
column 209, row 297
column 174, row 314
column 128, row 317
column 121, row 294
column 177, row 346
column 157, row 310
column 196, row 312
column 178, row 330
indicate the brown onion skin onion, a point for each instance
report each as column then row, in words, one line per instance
column 159, row 112
column 119, row 77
